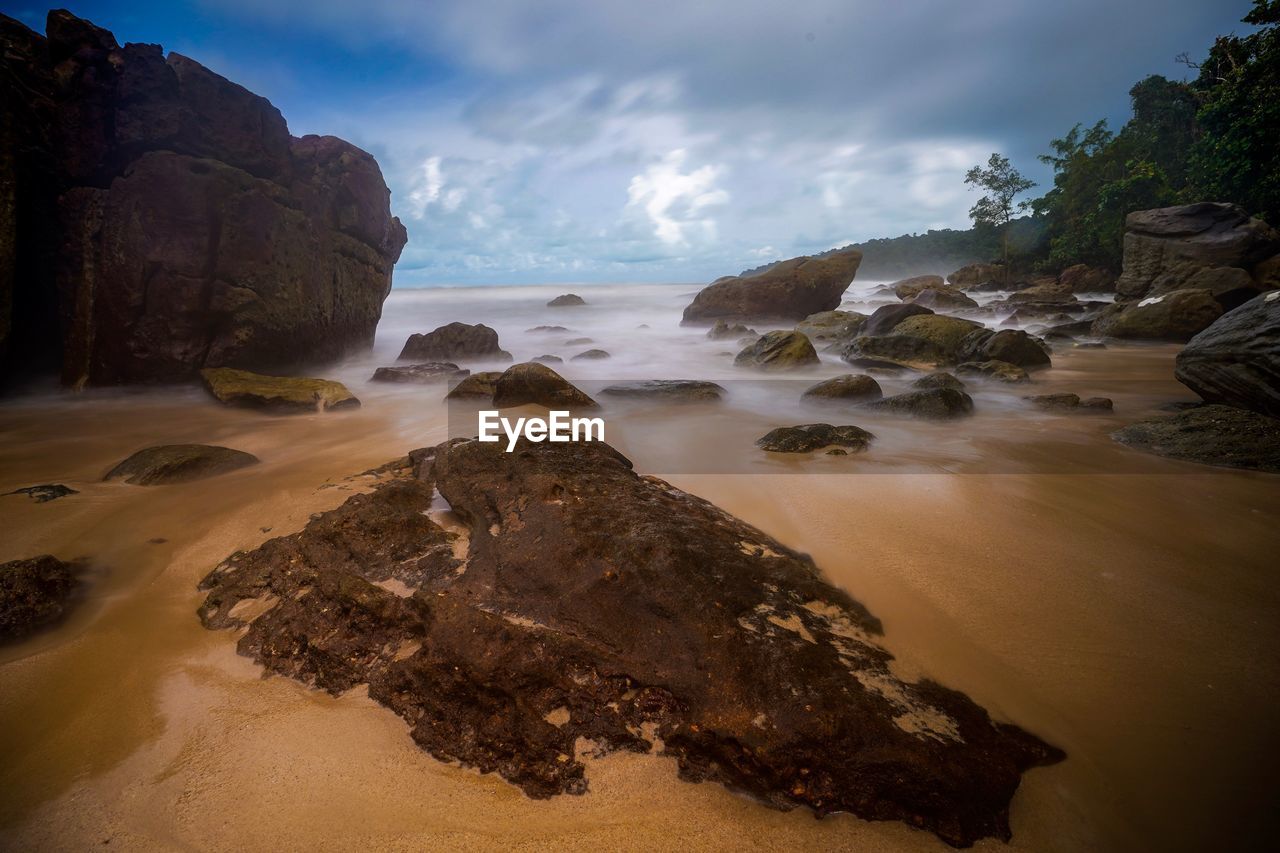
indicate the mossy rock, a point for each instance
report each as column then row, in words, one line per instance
column 280, row 394
column 946, row 333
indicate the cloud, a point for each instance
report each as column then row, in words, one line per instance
column 676, row 201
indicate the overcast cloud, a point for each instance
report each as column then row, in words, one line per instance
column 594, row 140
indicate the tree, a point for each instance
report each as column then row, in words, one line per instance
column 1003, row 184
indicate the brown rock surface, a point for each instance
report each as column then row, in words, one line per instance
column 788, row 290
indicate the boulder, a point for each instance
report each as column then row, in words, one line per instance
column 567, row 300
column 1000, row 371
column 807, row 438
column 1012, row 346
column 945, row 333
column 722, row 330
column 1176, row 316
column 780, row 350
column 477, row 385
column 591, row 355
column 426, row 372
column 1236, row 360
column 179, row 463
column 577, row 342
column 850, row 386
column 937, row 404
column 602, row 605
column 33, row 592
column 535, row 383
column 1051, row 294
column 1211, row 435
column 1082, row 278
column 157, row 219
column 279, row 394
column 787, row 290
column 943, row 299
column 1070, row 403
column 831, row 325
column 893, row 351
column 549, row 359
column 1172, row 248
column 974, row 274
column 940, row 379
column 455, row 341
column 540, row 329
column 909, row 287
column 674, row 390
column 883, row 320
column 44, row 492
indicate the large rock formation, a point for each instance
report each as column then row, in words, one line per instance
column 1205, row 246
column 156, row 219
column 1175, row 316
column 788, row 290
column 596, row 603
column 1236, row 360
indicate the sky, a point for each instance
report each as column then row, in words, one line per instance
column 675, row 140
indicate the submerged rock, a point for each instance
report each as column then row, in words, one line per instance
column 591, row 355
column 44, row 492
column 179, row 463
column 1000, row 371
column 850, row 386
column 279, row 394
column 430, row 371
column 540, row 329
column 937, row 404
column 549, row 359
column 1211, row 435
column 531, row 382
column 831, row 325
column 596, row 603
column 1070, row 403
column 1012, row 346
column 33, row 592
column 780, row 350
column 454, row 341
column 480, row 384
column 893, row 350
column 787, row 290
column 566, row 300
column 945, row 333
column 940, row 379
column 722, row 330
column 687, row 390
column 1237, row 359
column 807, row 438
column 883, row 320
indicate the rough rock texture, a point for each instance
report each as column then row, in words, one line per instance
column 595, row 603
column 850, row 386
column 1082, row 278
column 33, row 592
column 44, row 492
column 1067, row 402
column 893, row 350
column 722, row 330
column 1236, row 360
column 941, row 379
column 455, row 341
column 831, row 325
column 157, row 219
column 1000, row 371
column 424, row 373
column 1176, row 316
column 974, row 274
column 681, row 390
column 884, row 318
column 179, row 463
column 946, row 333
column 780, row 350
column 535, row 383
column 280, row 394
column 937, row 404
column 480, row 384
column 1013, row 346
column 909, row 287
column 788, row 290
column 807, row 438
column 1169, row 248
column 1211, row 435
column 566, row 300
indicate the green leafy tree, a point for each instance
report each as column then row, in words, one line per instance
column 996, row 209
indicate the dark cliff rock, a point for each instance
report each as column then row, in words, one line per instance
column 1236, row 360
column 157, row 219
column 788, row 290
column 596, row 603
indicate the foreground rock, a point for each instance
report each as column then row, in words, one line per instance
column 157, row 219
column 599, row 604
column 33, row 592
column 567, row 300
column 1177, row 316
column 420, row 374
column 1236, row 360
column 477, row 385
column 44, row 492
column 278, row 394
column 1211, row 435
column 1205, row 246
column 454, row 341
column 1072, row 403
column 788, row 290
column 780, row 350
column 682, row 390
column 531, row 382
column 935, row 404
column 807, row 438
column 849, row 387
column 179, row 463
column 828, row 326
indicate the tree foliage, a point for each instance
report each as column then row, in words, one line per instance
column 1003, row 184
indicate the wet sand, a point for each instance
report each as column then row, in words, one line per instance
column 1123, row 607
